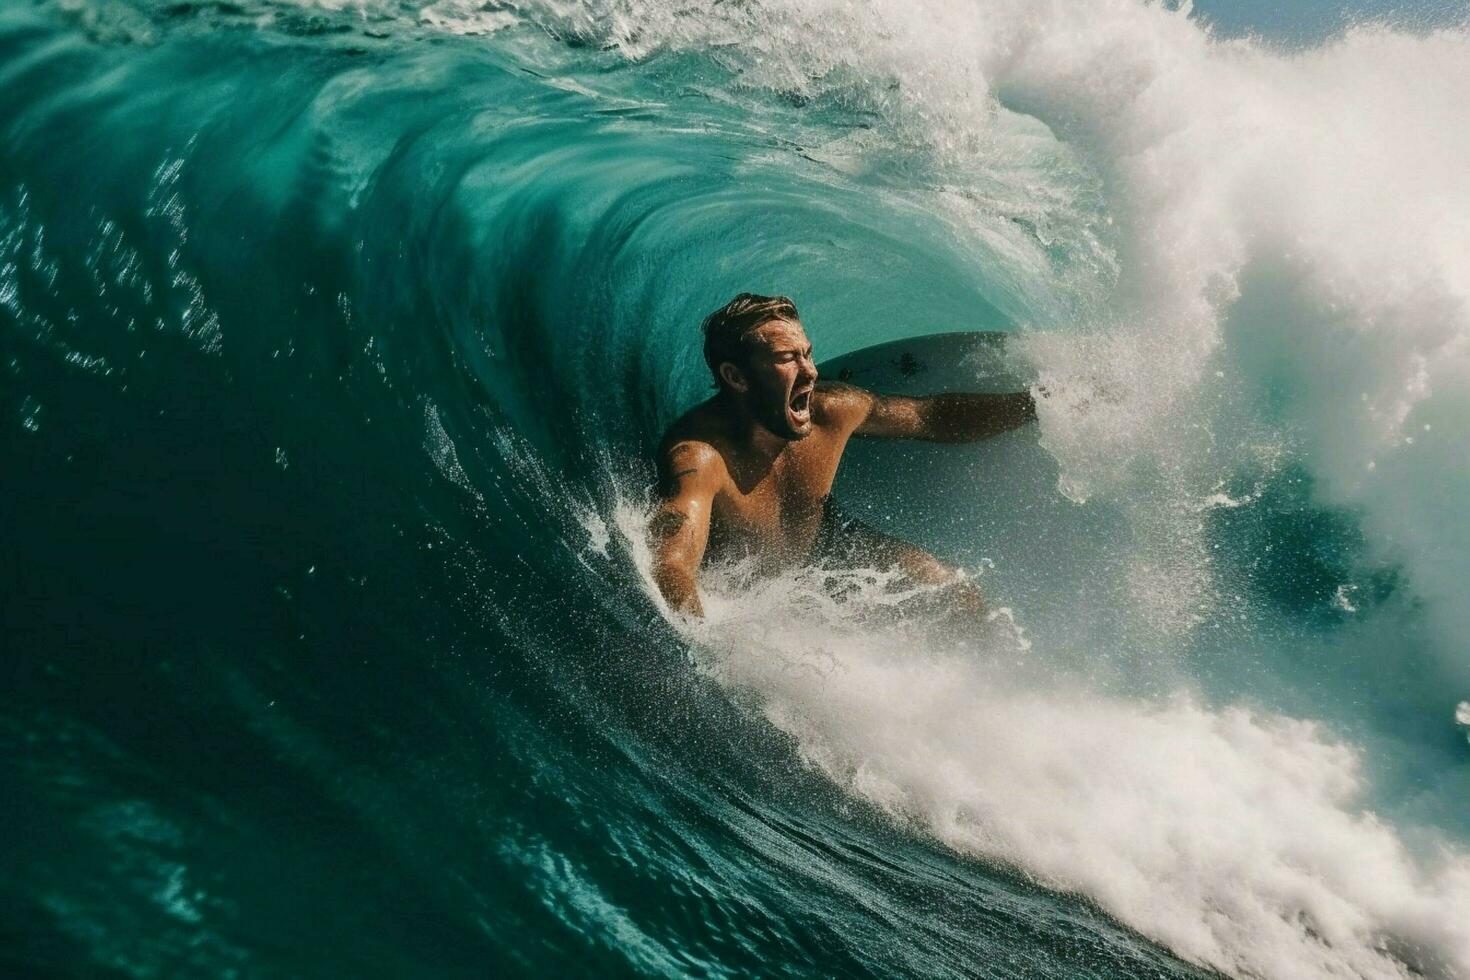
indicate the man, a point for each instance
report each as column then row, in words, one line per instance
column 748, row 472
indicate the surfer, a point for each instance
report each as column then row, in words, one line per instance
column 748, row 472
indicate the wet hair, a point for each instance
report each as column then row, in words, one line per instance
column 726, row 329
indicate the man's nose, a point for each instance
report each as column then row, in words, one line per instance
column 809, row 368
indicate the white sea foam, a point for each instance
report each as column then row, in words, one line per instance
column 1238, row 838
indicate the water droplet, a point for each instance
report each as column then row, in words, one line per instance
column 30, row 415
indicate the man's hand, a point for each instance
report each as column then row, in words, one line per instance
column 679, row 531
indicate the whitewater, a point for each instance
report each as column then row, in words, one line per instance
column 336, row 338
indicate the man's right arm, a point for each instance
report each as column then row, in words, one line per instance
column 679, row 530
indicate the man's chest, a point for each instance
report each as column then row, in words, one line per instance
column 780, row 506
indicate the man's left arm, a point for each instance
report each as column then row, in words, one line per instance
column 946, row 418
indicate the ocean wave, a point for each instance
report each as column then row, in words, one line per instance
column 335, row 339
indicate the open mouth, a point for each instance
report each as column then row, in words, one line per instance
column 801, row 405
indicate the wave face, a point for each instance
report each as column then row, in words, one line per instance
column 335, row 338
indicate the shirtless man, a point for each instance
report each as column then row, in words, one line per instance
column 748, row 472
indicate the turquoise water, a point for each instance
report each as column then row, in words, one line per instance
column 334, row 339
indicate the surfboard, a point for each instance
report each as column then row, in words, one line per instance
column 989, row 501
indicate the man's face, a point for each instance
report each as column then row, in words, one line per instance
column 780, row 377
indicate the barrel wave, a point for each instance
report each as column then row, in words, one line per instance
column 335, row 339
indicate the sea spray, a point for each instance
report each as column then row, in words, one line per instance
column 1237, row 837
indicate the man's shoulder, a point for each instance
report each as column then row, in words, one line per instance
column 691, row 442
column 840, row 402
column 687, row 464
column 689, row 451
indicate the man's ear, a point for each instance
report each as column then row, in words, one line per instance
column 733, row 377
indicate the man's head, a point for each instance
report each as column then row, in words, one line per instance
column 757, row 351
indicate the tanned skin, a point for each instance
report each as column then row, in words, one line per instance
column 748, row 471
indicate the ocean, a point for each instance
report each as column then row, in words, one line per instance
column 335, row 341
